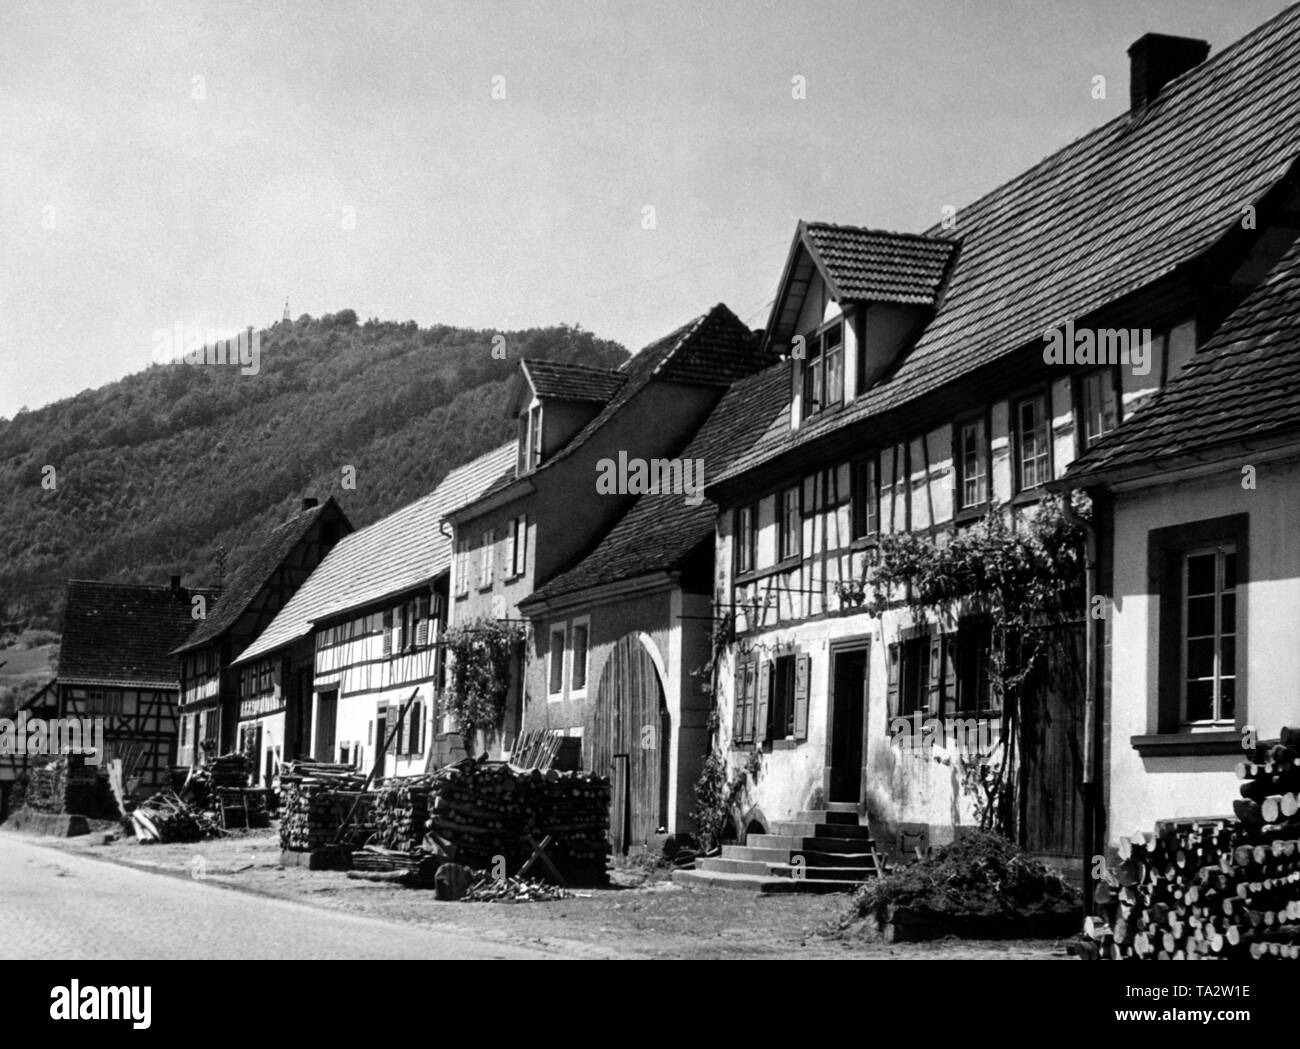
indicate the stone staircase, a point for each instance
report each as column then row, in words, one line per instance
column 826, row 850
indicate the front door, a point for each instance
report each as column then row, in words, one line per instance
column 326, row 712
column 848, row 721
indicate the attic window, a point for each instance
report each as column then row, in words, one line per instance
column 530, row 439
column 823, row 370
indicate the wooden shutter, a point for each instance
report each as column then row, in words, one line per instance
column 512, row 534
column 949, row 674
column 802, row 682
column 764, row 697
column 390, row 723
column 894, row 671
column 738, row 704
column 414, row 716
column 388, row 632
column 422, row 620
column 521, row 545
column 934, row 684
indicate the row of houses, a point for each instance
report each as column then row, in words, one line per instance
column 901, row 386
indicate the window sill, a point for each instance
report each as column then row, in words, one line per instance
column 787, row 563
column 867, row 542
column 784, row 744
column 1029, row 496
column 555, row 697
column 975, row 513
column 1179, row 744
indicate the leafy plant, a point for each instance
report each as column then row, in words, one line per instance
column 716, row 800
column 481, row 654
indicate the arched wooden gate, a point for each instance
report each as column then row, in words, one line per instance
column 629, row 737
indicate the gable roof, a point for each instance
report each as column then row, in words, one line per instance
column 662, row 530
column 1105, row 216
column 247, row 581
column 713, row 349
column 571, row 382
column 1242, row 385
column 397, row 553
column 125, row 633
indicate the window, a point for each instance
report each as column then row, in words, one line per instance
column 1199, row 571
column 264, row 683
column 972, row 465
column 1098, row 412
column 517, row 546
column 485, row 558
column 742, row 726
column 974, row 670
column 578, row 673
column 534, row 436
column 1209, row 631
column 781, row 719
column 790, row 523
column 823, row 370
column 462, row 566
column 555, row 653
column 745, row 536
column 866, row 499
column 1033, row 457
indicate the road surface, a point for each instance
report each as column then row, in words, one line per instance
column 56, row 905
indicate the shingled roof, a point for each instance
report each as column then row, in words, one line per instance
column 395, row 554
column 126, row 634
column 868, row 265
column 572, row 382
column 258, row 569
column 661, row 530
column 1105, row 216
column 1242, row 386
column 713, row 349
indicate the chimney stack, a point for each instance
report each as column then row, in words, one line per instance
column 1156, row 59
column 309, row 503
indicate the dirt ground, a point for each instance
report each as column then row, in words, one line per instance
column 642, row 915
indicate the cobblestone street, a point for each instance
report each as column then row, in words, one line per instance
column 56, row 905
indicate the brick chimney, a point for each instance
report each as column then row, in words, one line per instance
column 1156, row 59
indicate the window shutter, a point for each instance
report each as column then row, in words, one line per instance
column 802, row 682
column 738, row 705
column 950, row 701
column 894, row 675
column 422, row 620
column 414, row 716
column 764, row 696
column 521, row 545
column 512, row 537
column 388, row 632
column 934, row 686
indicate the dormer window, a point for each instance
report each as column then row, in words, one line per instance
column 530, row 440
column 823, row 370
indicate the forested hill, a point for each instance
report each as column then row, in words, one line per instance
column 156, row 472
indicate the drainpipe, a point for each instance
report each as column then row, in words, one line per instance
column 1090, row 713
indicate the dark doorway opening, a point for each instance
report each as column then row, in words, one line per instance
column 848, row 723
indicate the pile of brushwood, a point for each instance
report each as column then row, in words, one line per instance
column 981, row 886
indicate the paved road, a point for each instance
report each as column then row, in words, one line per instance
column 60, row 906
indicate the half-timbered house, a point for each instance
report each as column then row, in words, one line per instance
column 923, row 396
column 258, row 588
column 355, row 652
column 117, row 661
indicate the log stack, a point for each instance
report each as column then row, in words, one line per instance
column 316, row 798
column 1211, row 889
column 401, row 809
column 65, row 785
column 489, row 809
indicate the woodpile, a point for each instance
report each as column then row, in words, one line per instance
column 487, row 809
column 401, row 808
column 316, row 798
column 1211, row 889
column 68, row 785
column 165, row 818
column 487, row 889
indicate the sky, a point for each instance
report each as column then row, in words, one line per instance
column 618, row 166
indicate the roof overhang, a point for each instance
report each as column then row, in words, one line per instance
column 536, row 606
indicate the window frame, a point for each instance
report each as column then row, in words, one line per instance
column 1220, row 552
column 814, row 372
column 585, row 623
column 553, row 653
column 487, row 559
column 746, row 545
column 859, row 511
column 1042, row 396
column 1082, row 441
column 783, row 551
column 984, row 456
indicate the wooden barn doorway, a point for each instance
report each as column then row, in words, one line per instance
column 629, row 742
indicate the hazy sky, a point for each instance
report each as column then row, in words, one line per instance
column 196, row 163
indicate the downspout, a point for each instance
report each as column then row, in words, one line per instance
column 1090, row 721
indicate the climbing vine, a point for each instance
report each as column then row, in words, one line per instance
column 481, row 654
column 1027, row 577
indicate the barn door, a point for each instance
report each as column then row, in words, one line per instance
column 1052, row 775
column 629, row 737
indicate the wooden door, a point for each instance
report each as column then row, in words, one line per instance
column 1052, row 767
column 326, row 713
column 630, row 717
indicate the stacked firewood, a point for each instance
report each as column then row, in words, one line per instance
column 316, row 799
column 65, row 785
column 164, row 818
column 228, row 771
column 1211, row 888
column 490, row 809
column 401, row 809
column 487, row 889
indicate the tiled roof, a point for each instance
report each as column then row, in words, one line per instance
column 125, row 633
column 1243, row 385
column 572, row 382
column 662, row 530
column 714, row 349
column 257, row 570
column 1107, row 215
column 395, row 554
column 867, row 265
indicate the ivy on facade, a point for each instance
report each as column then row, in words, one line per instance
column 481, row 654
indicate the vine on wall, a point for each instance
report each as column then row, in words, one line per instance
column 481, row 654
